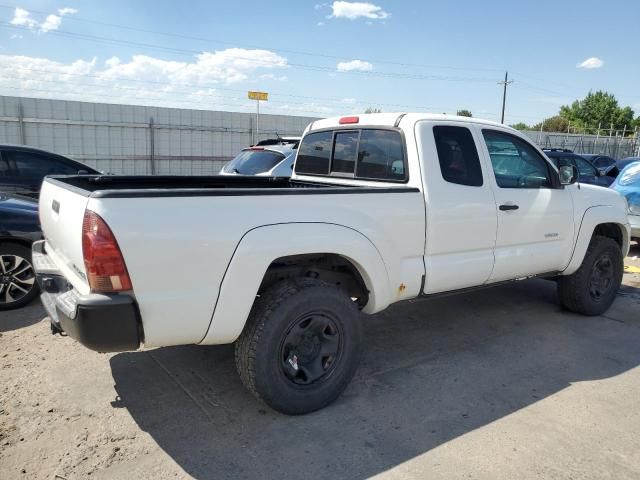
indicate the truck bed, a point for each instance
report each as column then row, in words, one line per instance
column 108, row 186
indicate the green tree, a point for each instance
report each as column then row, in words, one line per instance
column 553, row 124
column 521, row 126
column 373, row 110
column 599, row 108
column 464, row 113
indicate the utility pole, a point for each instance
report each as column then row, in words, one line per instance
column 257, row 96
column 504, row 92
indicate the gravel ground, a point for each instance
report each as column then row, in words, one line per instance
column 499, row 383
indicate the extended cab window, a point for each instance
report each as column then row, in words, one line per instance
column 367, row 153
column 516, row 164
column 458, row 156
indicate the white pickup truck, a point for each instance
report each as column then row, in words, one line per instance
column 381, row 208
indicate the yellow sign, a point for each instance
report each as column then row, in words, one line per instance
column 258, row 96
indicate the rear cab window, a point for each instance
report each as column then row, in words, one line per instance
column 363, row 153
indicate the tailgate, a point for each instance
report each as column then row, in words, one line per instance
column 61, row 214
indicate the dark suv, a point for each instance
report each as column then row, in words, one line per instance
column 23, row 168
column 588, row 173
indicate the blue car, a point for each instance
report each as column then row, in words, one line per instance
column 628, row 184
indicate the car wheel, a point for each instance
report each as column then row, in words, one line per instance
column 300, row 347
column 18, row 284
column 591, row 289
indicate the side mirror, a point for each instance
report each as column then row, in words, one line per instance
column 568, row 174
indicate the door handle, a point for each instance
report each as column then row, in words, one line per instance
column 508, row 207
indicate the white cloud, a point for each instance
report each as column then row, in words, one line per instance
column 354, row 65
column 66, row 11
column 320, row 24
column 592, row 62
column 141, row 78
column 271, row 76
column 349, row 100
column 52, row 22
column 112, row 62
column 22, row 17
column 355, row 10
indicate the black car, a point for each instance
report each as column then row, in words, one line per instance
column 23, row 168
column 606, row 165
column 19, row 228
column 588, row 173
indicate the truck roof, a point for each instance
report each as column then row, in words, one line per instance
column 393, row 119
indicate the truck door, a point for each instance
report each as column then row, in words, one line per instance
column 461, row 214
column 535, row 213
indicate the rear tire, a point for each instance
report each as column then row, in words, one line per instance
column 592, row 288
column 18, row 284
column 300, row 347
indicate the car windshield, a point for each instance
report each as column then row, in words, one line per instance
column 252, row 162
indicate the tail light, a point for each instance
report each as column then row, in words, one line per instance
column 103, row 260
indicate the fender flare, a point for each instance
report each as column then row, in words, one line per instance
column 259, row 247
column 593, row 217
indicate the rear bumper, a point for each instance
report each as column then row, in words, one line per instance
column 101, row 322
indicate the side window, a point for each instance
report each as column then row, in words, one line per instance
column 584, row 167
column 5, row 168
column 345, row 148
column 458, row 156
column 516, row 164
column 381, row 156
column 315, row 153
column 32, row 165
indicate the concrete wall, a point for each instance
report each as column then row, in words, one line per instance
column 129, row 139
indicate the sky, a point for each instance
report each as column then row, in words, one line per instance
column 323, row 59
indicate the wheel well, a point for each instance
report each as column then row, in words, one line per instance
column 328, row 267
column 609, row 230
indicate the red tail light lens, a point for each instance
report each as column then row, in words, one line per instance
column 347, row 120
column 103, row 260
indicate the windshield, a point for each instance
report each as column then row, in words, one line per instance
column 252, row 162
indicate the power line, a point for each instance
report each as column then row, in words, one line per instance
column 215, row 87
column 212, row 86
column 294, row 52
column 190, row 53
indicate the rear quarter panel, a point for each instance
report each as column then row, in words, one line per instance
column 177, row 248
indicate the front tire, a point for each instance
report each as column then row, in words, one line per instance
column 300, row 347
column 592, row 288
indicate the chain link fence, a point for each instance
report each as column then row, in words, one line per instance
column 618, row 145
